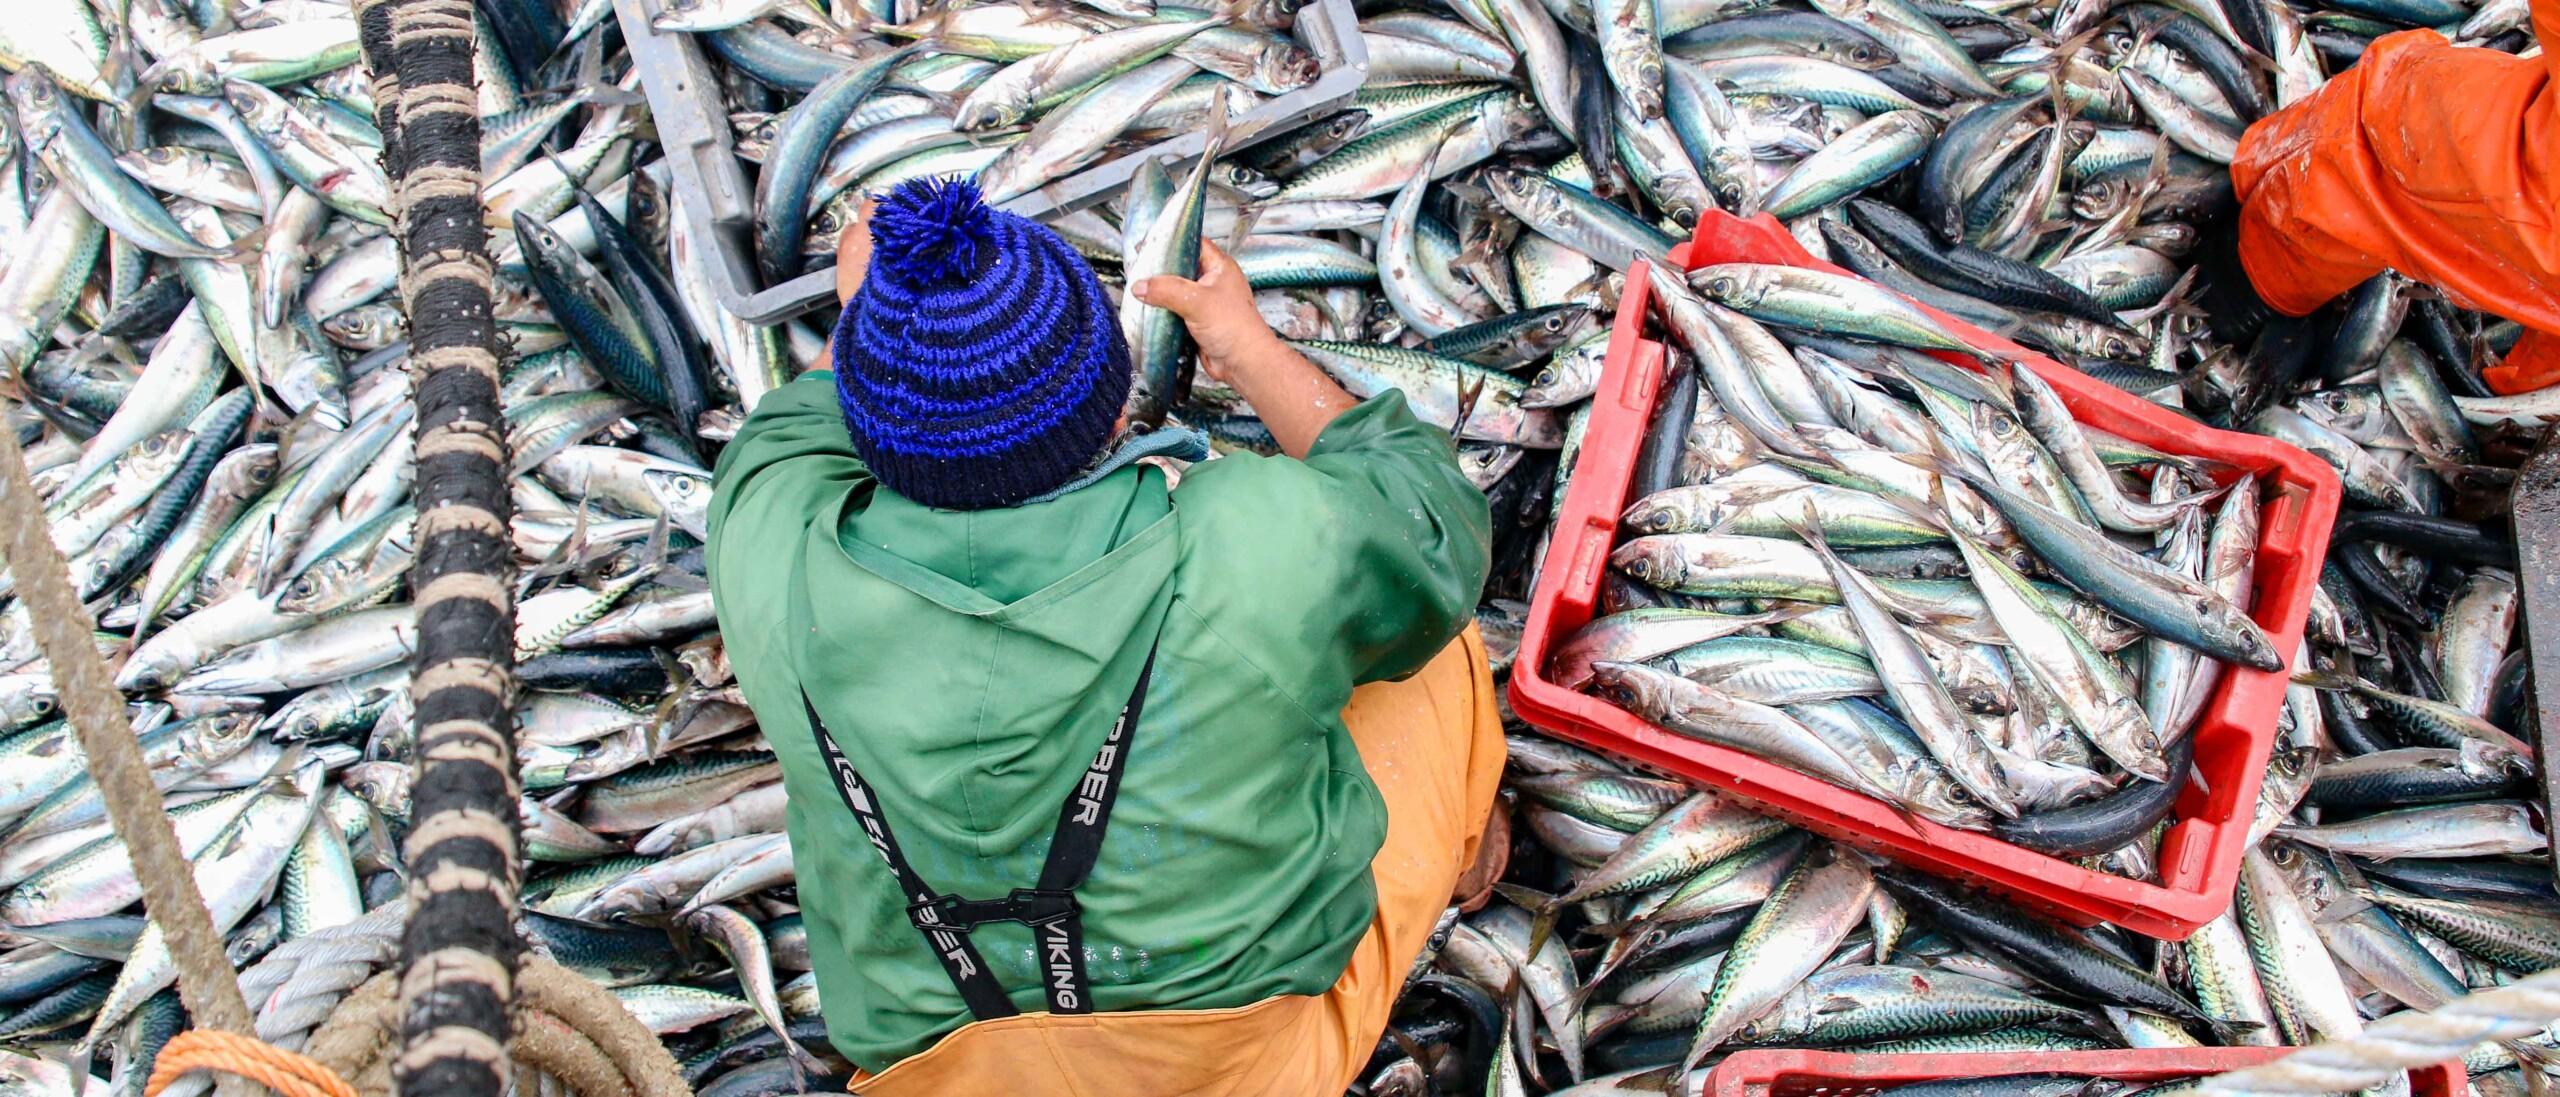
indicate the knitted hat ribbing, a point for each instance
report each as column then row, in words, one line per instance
column 980, row 364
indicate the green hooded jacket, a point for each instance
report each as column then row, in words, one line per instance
column 969, row 664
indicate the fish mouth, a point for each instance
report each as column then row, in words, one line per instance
column 1296, row 72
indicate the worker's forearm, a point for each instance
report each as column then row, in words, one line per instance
column 1295, row 399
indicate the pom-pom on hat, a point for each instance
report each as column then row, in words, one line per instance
column 980, row 364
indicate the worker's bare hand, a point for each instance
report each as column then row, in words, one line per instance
column 853, row 252
column 1218, row 308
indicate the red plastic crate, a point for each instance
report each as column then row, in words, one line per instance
column 2200, row 858
column 1834, row 1074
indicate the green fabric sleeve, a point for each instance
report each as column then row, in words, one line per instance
column 1355, row 565
column 1416, row 536
column 790, row 457
column 794, row 449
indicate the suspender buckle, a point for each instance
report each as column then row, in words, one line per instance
column 1029, row 906
column 1035, row 907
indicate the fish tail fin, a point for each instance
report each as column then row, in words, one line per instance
column 2539, row 1062
column 1911, row 816
column 654, row 558
column 2172, row 301
column 1786, row 612
column 1806, row 524
column 2055, row 86
column 1221, row 115
column 245, row 249
column 1541, row 905
column 550, row 151
column 1580, row 997
column 2328, row 680
column 601, row 93
column 808, row 13
column 81, row 1054
column 2231, row 1033
column 1679, row 1084
column 1945, row 460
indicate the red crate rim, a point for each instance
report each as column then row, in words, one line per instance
column 1759, row 1073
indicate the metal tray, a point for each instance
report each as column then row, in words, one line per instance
column 711, row 187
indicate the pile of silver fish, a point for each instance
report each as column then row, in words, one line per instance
column 200, row 344
column 1902, row 576
column 1805, row 480
column 1649, row 928
column 1680, row 927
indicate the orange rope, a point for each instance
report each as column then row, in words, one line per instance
column 287, row 1073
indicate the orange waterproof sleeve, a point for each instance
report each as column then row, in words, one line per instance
column 2442, row 163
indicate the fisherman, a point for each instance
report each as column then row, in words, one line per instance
column 2442, row 163
column 1102, row 779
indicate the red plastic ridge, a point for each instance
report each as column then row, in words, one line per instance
column 1835, row 1074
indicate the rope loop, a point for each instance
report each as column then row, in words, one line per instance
column 290, row 1074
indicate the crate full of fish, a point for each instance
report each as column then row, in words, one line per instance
column 2053, row 1074
column 1047, row 111
column 1911, row 586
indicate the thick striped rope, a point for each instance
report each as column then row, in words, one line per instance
column 373, row 38
column 568, row 1028
column 2402, row 1041
column 96, row 710
column 461, row 951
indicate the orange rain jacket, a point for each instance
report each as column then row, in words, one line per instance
column 2440, row 162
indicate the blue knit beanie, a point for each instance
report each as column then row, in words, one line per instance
column 980, row 364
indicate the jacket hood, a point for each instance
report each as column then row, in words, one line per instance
column 977, row 658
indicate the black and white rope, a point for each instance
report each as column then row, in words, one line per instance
column 460, row 951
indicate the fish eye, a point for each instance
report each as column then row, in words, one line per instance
column 1720, row 285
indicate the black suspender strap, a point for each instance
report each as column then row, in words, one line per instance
column 951, row 945
column 1057, row 924
column 1073, row 848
